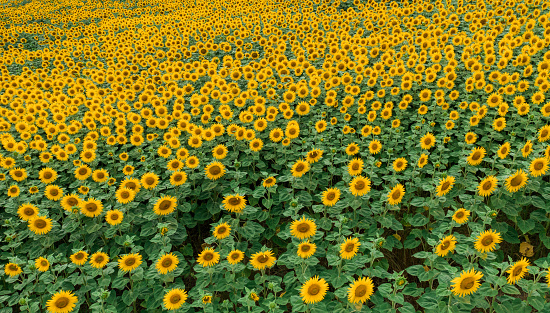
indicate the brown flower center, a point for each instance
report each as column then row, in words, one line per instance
column 538, row 166
column 314, row 289
column 208, row 256
column 303, row 227
column 234, row 201
column 263, row 259
column 99, row 259
column 487, row 186
column 165, row 205
column 396, row 194
column 48, row 175
column 91, row 207
column 28, row 212
column 445, row 186
column 488, row 240
column 467, row 283
column 150, row 181
column 305, row 248
column 222, row 230
column 40, row 223
column 331, row 196
column 517, row 271
column 445, row 245
column 167, row 262
column 175, row 299
column 349, row 247
column 215, row 170
column 130, row 261
column 300, row 167
column 62, row 302
column 360, row 291
column 516, row 181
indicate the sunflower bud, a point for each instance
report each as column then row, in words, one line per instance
column 492, row 213
column 22, row 301
column 294, row 203
column 8, row 238
column 270, row 286
column 105, row 294
column 127, row 243
column 237, row 164
column 272, row 305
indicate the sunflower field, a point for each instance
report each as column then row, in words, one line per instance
column 275, row 156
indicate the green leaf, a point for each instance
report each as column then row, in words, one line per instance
column 429, row 300
column 526, row 225
column 510, row 289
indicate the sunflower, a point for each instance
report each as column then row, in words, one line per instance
column 330, row 196
column 349, row 248
column 174, row 299
column 461, row 216
column 355, row 167
column 125, row 195
column 18, row 174
column 12, row 269
column 446, row 245
column 214, row 170
column 314, row 156
column 470, row 138
column 114, row 217
column 219, row 152
column 128, row 170
column 516, row 181
column 306, row 249
column 359, row 186
column 53, row 192
column 129, row 262
column 27, row 211
column 527, row 149
column 192, row 161
column 544, row 133
column 476, row 156
column 487, row 186
column 261, row 260
column 99, row 259
column 235, row 256
column 487, row 241
column 538, row 167
column 314, row 290
column 62, row 302
column 91, row 208
column 396, row 194
column 423, row 160
column 445, row 185
column 40, row 225
column 517, row 271
column 352, row 149
column 503, row 150
column 208, row 257
column 269, row 182
column 42, row 264
column 47, row 175
column 427, row 141
column 303, row 228
column 174, row 165
column 256, row 144
column 167, row 263
column 375, row 146
column 360, row 290
column 206, row 299
column 178, row 178
column 79, row 258
column 467, row 283
column 399, row 164
column 165, row 205
column 149, row 180
column 299, row 168
column 83, row 172
column 222, row 231
column 70, row 201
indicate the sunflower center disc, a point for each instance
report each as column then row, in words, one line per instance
column 62, row 302
column 313, row 290
column 303, row 228
column 487, row 241
column 360, row 291
column 40, row 224
column 166, row 262
column 208, row 256
column 516, row 181
column 175, row 299
column 467, row 283
column 349, row 247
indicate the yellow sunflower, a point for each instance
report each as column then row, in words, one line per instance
column 99, row 259
column 129, row 262
column 165, row 205
column 538, row 167
column 149, row 180
column 79, row 258
column 214, row 170
column 91, row 208
column 359, row 186
column 208, row 257
column 423, row 160
column 446, row 245
column 269, row 182
column 349, row 248
column 42, row 264
column 62, row 302
column 83, row 172
column 70, row 201
column 352, row 149
column 476, row 156
column 503, row 150
column 12, row 269
column 47, row 175
column 360, row 290
column 303, row 228
column 427, row 141
column 461, row 216
column 396, row 194
column 234, row 203
column 399, row 164
column 355, row 167
column 40, row 225
column 53, row 192
column 27, row 211
column 261, row 260
column 314, row 290
column 235, row 256
column 467, row 283
column 487, row 186
column 314, row 155
column 174, row 299
column 178, row 178
column 222, row 231
column 330, row 196
column 167, row 263
column 219, row 152
column 125, row 195
column 306, row 249
column 516, row 181
column 487, row 241
column 517, row 271
column 445, row 185
column 299, row 168
column 375, row 146
column 114, row 217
